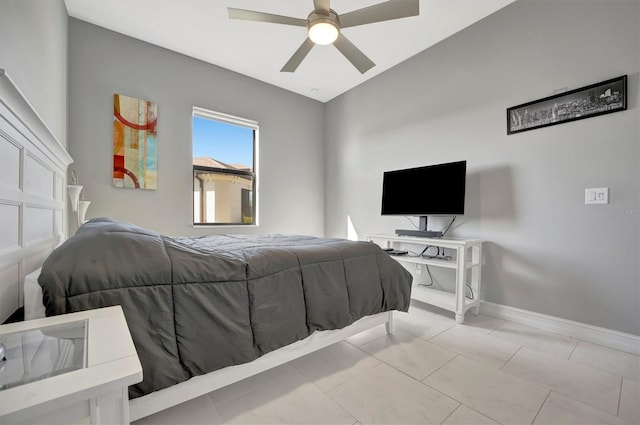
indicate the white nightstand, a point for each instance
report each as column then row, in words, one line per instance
column 63, row 368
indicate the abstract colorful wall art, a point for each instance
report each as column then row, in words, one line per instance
column 135, row 139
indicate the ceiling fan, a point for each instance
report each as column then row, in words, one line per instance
column 324, row 25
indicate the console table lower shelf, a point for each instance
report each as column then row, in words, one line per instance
column 443, row 300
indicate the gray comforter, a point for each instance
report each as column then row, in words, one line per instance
column 195, row 305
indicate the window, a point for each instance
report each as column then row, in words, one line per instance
column 224, row 169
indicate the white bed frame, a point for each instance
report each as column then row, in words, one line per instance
column 200, row 385
column 33, row 221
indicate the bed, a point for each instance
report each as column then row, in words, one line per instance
column 199, row 304
column 33, row 209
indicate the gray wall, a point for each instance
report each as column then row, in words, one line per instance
column 546, row 251
column 33, row 51
column 291, row 179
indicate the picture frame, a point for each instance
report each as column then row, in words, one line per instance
column 135, row 143
column 593, row 100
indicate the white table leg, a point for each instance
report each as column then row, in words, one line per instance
column 110, row 408
column 461, row 272
column 476, row 258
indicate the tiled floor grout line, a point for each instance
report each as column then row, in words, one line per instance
column 452, row 412
column 541, row 406
column 326, row 393
column 439, row 333
column 337, row 400
column 574, row 348
column 512, row 356
column 441, row 366
column 620, row 396
column 458, row 401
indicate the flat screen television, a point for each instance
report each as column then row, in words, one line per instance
column 433, row 190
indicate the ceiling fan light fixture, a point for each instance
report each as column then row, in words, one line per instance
column 323, row 32
column 324, row 24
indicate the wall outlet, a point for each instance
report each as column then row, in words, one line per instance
column 596, row 195
column 418, row 268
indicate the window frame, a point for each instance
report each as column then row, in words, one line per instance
column 232, row 120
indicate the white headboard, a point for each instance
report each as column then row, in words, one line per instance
column 33, row 181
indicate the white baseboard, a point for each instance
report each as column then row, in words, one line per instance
column 594, row 334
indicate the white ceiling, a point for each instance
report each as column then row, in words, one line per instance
column 202, row 29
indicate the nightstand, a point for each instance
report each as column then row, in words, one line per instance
column 63, row 368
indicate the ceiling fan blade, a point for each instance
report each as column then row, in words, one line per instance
column 353, row 54
column 251, row 15
column 321, row 6
column 298, row 56
column 392, row 9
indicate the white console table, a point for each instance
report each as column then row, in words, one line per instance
column 465, row 258
column 63, row 368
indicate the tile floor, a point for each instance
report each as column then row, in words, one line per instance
column 433, row 371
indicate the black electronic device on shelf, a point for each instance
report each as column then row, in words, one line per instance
column 433, row 190
column 392, row 251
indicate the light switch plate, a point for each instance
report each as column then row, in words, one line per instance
column 596, row 195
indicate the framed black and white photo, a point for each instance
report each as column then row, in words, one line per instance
column 586, row 102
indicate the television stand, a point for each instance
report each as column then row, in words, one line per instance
column 465, row 259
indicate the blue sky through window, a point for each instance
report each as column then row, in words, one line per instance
column 229, row 143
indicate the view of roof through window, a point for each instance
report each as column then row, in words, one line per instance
column 222, row 145
column 224, row 179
